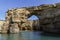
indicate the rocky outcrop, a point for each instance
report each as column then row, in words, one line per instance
column 31, row 25
column 1, row 24
column 48, row 14
column 5, row 27
column 14, row 28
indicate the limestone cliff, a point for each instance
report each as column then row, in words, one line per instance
column 48, row 14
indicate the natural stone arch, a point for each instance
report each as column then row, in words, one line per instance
column 48, row 14
column 37, row 26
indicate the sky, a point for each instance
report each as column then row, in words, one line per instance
column 7, row 4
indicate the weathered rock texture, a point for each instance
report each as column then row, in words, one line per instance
column 17, row 20
column 1, row 24
column 48, row 14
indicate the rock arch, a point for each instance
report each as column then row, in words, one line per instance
column 48, row 14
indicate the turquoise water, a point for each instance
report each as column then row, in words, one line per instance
column 28, row 35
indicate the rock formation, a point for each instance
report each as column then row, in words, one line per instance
column 5, row 27
column 36, row 25
column 1, row 23
column 48, row 14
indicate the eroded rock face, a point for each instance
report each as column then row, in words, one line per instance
column 51, row 24
column 48, row 14
column 14, row 28
column 5, row 27
column 17, row 19
column 1, row 24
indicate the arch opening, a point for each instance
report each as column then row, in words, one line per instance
column 34, row 22
column 33, row 17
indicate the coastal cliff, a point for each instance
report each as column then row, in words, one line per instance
column 48, row 14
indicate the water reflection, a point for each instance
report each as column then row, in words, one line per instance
column 12, row 37
column 49, row 36
column 28, row 35
column 1, row 37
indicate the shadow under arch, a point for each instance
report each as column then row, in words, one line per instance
column 35, row 13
